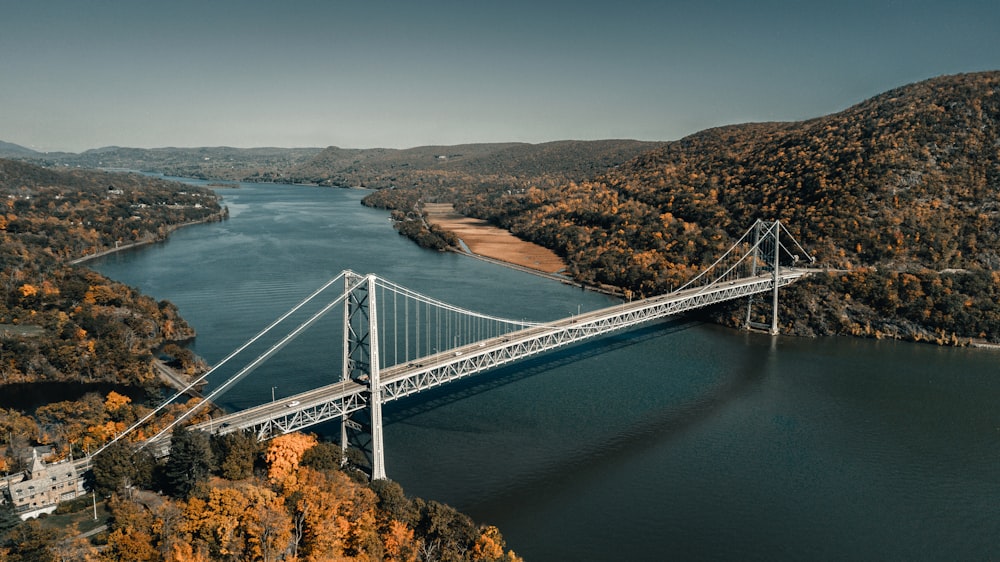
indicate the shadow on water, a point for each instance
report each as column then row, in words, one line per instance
column 477, row 384
column 599, row 458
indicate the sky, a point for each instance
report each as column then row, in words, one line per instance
column 81, row 74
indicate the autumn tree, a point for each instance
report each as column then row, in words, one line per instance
column 284, row 453
column 239, row 521
column 31, row 542
column 400, row 543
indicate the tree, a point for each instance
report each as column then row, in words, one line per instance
column 8, row 517
column 120, row 466
column 31, row 542
column 324, row 457
column 284, row 453
column 393, row 505
column 452, row 532
column 190, row 461
column 235, row 454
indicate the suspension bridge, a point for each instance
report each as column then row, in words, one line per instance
column 397, row 342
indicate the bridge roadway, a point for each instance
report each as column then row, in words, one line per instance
column 345, row 397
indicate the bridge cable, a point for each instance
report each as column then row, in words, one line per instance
column 238, row 350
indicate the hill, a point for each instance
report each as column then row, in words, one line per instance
column 901, row 191
column 469, row 164
column 83, row 327
column 10, row 150
column 221, row 162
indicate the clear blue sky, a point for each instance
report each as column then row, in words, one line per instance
column 79, row 74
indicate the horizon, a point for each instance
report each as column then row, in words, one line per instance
column 397, row 75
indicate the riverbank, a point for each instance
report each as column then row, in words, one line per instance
column 483, row 241
column 220, row 216
column 486, row 240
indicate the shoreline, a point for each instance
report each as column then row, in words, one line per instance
column 524, row 269
column 483, row 241
column 218, row 217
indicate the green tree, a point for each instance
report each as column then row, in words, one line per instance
column 454, row 533
column 235, row 454
column 119, row 467
column 393, row 503
column 190, row 461
column 8, row 518
column 324, row 456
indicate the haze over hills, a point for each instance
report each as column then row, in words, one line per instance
column 359, row 167
column 460, row 165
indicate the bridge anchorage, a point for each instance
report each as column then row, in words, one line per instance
column 397, row 342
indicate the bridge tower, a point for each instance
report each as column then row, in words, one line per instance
column 361, row 362
column 766, row 256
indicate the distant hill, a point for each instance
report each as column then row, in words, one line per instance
column 223, row 162
column 495, row 163
column 10, row 150
column 897, row 190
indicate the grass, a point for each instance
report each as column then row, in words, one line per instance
column 82, row 519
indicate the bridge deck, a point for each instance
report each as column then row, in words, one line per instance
column 344, row 397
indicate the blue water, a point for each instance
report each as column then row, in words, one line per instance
column 678, row 440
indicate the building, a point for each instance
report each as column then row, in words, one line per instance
column 43, row 486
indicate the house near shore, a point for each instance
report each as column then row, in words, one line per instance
column 42, row 487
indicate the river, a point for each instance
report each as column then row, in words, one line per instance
column 676, row 441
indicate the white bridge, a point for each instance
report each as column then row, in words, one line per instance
column 398, row 342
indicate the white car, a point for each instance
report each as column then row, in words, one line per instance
column 292, row 404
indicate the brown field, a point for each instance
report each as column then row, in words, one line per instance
column 486, row 240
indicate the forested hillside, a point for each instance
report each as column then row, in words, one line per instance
column 65, row 323
column 901, row 191
column 406, row 179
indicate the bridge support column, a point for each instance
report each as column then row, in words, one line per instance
column 361, row 362
column 754, row 260
column 776, row 227
column 378, row 453
column 766, row 254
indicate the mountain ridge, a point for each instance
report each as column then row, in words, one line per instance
column 906, row 183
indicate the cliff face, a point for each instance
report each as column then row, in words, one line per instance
column 902, row 191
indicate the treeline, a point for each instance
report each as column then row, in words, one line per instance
column 232, row 498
